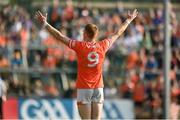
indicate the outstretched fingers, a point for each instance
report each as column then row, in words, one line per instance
column 37, row 15
column 40, row 17
column 40, row 14
column 46, row 15
column 135, row 12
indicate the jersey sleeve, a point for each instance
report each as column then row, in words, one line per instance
column 75, row 45
column 106, row 44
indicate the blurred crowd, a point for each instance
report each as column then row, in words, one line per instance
column 133, row 68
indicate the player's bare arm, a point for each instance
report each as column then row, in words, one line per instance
column 54, row 32
column 130, row 18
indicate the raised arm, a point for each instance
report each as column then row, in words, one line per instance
column 54, row 32
column 123, row 27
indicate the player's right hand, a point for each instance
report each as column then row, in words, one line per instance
column 40, row 17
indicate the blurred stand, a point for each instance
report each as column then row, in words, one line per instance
column 34, row 64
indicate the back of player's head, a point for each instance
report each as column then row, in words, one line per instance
column 91, row 30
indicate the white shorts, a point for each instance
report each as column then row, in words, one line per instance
column 87, row 96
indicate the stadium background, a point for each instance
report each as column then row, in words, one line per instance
column 40, row 72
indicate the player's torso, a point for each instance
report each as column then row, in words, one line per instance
column 90, row 56
column 90, row 60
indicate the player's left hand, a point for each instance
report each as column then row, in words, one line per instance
column 40, row 17
column 133, row 15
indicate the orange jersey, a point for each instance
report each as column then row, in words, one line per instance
column 90, row 56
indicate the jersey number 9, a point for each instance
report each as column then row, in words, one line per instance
column 93, row 58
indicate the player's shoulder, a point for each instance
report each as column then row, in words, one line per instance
column 74, row 42
column 103, row 41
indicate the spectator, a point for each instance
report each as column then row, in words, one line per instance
column 139, row 97
column 174, row 109
column 4, row 63
column 38, row 89
column 151, row 67
column 71, row 92
column 124, row 90
column 139, row 93
column 54, row 13
column 50, row 62
column 17, row 88
column 17, row 59
column 51, row 88
column 132, row 60
column 3, row 93
column 37, row 61
column 156, row 105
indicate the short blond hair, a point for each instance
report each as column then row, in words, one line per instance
column 91, row 30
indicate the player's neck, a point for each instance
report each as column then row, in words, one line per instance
column 90, row 40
